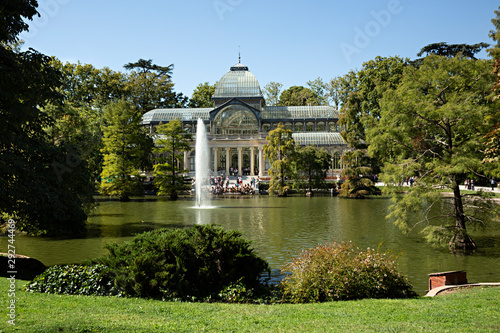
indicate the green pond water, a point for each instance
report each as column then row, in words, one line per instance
column 279, row 228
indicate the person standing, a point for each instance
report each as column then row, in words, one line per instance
column 492, row 184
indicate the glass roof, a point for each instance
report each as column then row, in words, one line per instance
column 318, row 138
column 238, row 82
column 183, row 114
column 299, row 112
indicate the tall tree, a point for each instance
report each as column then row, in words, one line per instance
column 272, row 92
column 151, row 87
column 280, row 151
column 358, row 176
column 85, row 85
column 298, row 95
column 337, row 91
column 320, row 90
column 452, row 50
column 173, row 141
column 78, row 127
column 312, row 164
column 202, row 96
column 431, row 128
column 362, row 91
column 124, row 147
column 42, row 184
column 492, row 139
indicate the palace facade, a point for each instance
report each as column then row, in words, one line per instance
column 239, row 121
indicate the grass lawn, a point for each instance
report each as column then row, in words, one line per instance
column 474, row 310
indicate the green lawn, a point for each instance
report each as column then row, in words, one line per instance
column 475, row 310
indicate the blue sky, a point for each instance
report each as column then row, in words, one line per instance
column 290, row 42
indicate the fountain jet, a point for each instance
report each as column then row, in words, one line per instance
column 202, row 181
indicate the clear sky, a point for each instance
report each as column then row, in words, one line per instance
column 286, row 41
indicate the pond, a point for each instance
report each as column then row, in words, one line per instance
column 279, row 228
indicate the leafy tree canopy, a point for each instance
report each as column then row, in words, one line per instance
column 13, row 18
column 202, row 96
column 43, row 184
column 147, row 66
column 431, row 128
column 361, row 92
column 171, row 145
column 280, row 151
column 312, row 164
column 298, row 95
column 272, row 92
column 124, row 146
column 150, row 86
column 452, row 50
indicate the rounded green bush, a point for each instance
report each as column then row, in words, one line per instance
column 338, row 271
column 184, row 264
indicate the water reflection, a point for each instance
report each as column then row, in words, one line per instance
column 278, row 228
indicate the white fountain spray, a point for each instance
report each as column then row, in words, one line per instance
column 201, row 165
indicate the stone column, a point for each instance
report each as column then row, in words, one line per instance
column 228, row 159
column 261, row 161
column 240, row 161
column 216, row 159
column 252, row 161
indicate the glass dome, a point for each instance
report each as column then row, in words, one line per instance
column 238, row 82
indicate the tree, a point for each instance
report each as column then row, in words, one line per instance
column 492, row 139
column 83, row 85
column 124, row 144
column 337, row 91
column 313, row 164
column 320, row 90
column 362, row 91
column 173, row 141
column 358, row 177
column 78, row 127
column 450, row 51
column 272, row 92
column 280, row 151
column 299, row 96
column 43, row 185
column 431, row 128
column 151, row 87
column 202, row 96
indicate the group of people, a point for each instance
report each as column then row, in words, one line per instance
column 410, row 180
column 469, row 184
column 220, row 185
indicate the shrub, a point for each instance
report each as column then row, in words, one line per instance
column 337, row 271
column 74, row 280
column 183, row 263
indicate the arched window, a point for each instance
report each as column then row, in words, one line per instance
column 320, row 127
column 310, row 127
column 235, row 119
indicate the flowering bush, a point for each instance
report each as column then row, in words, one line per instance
column 338, row 271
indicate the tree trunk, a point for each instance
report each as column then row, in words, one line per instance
column 461, row 241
